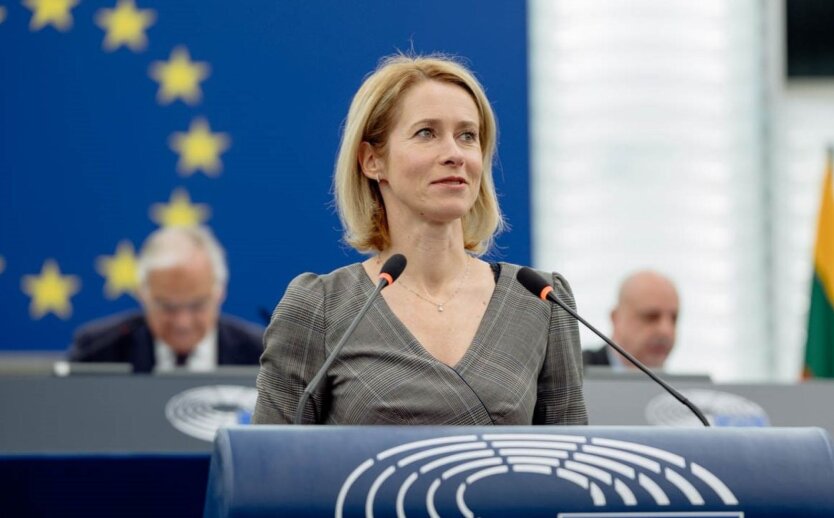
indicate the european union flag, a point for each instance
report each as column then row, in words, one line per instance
column 120, row 116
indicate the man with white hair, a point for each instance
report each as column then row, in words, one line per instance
column 182, row 283
column 644, row 322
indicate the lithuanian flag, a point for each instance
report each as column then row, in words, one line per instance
column 819, row 348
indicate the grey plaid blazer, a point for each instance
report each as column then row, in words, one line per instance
column 524, row 365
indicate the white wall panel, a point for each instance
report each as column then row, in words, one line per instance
column 647, row 124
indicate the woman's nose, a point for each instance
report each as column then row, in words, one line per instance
column 452, row 154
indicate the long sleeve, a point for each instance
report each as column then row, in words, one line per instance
column 294, row 350
column 560, row 399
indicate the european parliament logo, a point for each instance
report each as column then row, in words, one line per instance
column 721, row 408
column 456, row 472
column 201, row 411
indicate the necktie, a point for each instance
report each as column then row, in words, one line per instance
column 181, row 360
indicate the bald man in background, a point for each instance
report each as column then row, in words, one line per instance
column 644, row 322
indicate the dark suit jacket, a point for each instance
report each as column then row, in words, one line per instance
column 596, row 356
column 126, row 338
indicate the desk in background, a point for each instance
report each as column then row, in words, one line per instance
column 178, row 413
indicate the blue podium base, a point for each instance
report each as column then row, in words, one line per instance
column 554, row 472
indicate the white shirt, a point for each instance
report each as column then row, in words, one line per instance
column 617, row 362
column 202, row 359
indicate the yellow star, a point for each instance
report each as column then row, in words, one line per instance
column 179, row 212
column 50, row 12
column 2, row 264
column 120, row 271
column 50, row 291
column 199, row 149
column 2, row 13
column 125, row 25
column 179, row 77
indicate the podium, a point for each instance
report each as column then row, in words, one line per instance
column 562, row 472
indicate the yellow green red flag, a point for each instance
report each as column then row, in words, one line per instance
column 819, row 347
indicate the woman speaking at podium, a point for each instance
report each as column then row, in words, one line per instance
column 455, row 340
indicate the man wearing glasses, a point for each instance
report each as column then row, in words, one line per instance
column 182, row 283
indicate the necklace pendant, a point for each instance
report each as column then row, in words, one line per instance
column 440, row 308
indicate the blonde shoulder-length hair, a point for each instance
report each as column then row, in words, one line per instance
column 370, row 119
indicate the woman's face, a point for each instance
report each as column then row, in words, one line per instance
column 433, row 162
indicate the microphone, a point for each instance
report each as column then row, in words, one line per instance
column 539, row 287
column 389, row 273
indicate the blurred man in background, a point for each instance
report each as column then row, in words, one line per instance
column 644, row 322
column 182, row 283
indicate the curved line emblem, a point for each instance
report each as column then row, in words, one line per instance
column 609, row 471
column 201, row 411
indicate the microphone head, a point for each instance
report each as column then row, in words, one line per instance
column 393, row 268
column 535, row 283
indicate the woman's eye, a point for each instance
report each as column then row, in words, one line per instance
column 425, row 133
column 469, row 136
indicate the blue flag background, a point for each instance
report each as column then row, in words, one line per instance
column 93, row 156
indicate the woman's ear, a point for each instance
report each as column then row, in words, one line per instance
column 369, row 160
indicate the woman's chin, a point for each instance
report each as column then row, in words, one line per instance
column 447, row 215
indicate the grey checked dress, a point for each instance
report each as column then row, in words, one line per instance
column 523, row 367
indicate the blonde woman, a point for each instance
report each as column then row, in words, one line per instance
column 456, row 340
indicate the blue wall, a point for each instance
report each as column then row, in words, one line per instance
column 84, row 143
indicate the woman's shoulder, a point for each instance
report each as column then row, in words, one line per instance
column 557, row 279
column 511, row 269
column 337, row 280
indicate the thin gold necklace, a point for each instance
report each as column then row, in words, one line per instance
column 441, row 306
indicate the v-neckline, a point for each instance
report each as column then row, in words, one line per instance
column 476, row 339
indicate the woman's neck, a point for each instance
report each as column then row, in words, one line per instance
column 435, row 253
